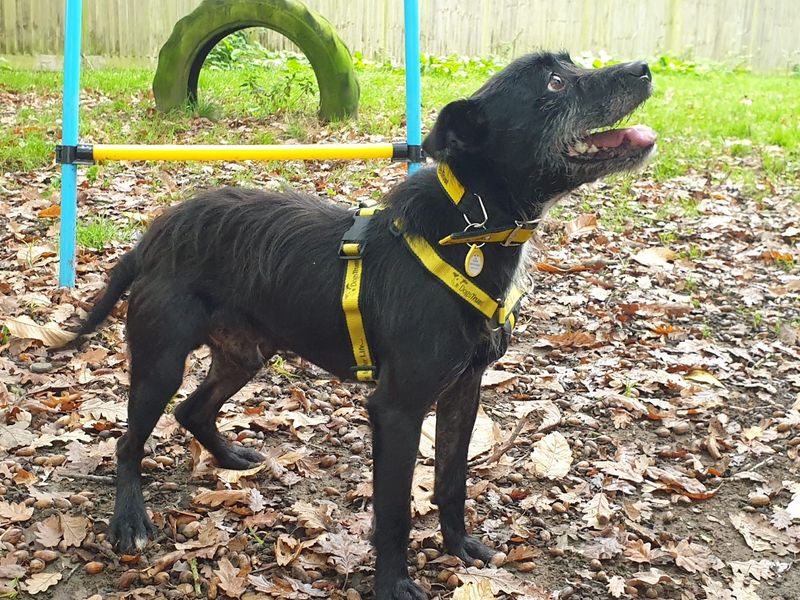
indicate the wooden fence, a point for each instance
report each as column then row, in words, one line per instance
column 762, row 34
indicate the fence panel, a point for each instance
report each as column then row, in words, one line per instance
column 759, row 33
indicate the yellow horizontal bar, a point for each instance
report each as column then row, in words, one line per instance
column 233, row 153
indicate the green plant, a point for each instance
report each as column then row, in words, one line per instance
column 774, row 164
column 252, row 83
column 691, row 207
column 694, row 252
column 698, row 119
column 265, row 137
column 237, row 50
column 99, row 231
column 296, row 84
column 559, row 212
column 620, row 212
column 205, row 109
column 739, row 149
column 297, row 130
column 630, row 388
column 595, row 61
column 459, row 66
column 260, row 540
column 195, row 578
column 278, row 364
column 91, row 174
column 786, row 264
column 13, row 587
column 667, row 237
column 671, row 64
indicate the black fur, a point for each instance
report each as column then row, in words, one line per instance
column 249, row 273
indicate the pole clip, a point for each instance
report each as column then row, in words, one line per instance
column 416, row 154
column 403, row 152
column 82, row 154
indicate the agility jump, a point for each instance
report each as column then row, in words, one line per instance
column 319, row 42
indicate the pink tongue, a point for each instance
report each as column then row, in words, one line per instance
column 639, row 135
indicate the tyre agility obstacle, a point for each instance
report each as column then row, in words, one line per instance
column 70, row 154
column 182, row 56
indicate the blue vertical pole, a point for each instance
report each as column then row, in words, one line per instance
column 413, row 86
column 69, row 137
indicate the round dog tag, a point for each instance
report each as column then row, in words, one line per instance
column 473, row 264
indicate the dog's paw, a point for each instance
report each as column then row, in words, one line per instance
column 400, row 589
column 471, row 549
column 240, row 458
column 130, row 531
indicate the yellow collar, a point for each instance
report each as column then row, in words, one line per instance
column 520, row 233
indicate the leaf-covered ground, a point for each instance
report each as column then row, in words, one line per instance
column 639, row 440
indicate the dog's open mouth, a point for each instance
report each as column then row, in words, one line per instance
column 630, row 142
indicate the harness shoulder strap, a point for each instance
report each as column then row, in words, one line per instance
column 450, row 276
column 501, row 313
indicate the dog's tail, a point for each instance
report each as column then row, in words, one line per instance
column 122, row 276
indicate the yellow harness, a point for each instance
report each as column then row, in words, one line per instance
column 501, row 312
column 351, row 248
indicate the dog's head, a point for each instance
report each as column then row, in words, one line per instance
column 542, row 125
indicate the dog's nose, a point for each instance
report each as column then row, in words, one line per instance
column 639, row 69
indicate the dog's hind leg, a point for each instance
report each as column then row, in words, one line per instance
column 233, row 364
column 161, row 334
column 456, row 410
column 396, row 425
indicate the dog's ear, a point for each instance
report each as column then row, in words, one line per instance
column 461, row 127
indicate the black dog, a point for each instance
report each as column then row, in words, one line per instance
column 249, row 273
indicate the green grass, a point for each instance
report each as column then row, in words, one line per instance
column 701, row 118
column 696, row 114
column 97, row 233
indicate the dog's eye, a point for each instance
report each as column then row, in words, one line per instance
column 556, row 84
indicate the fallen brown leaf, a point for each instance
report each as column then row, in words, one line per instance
column 50, row 335
column 41, row 582
column 655, row 257
column 551, row 456
column 14, row 512
column 577, row 339
column 231, row 582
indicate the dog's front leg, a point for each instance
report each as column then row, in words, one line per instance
column 396, row 430
column 456, row 410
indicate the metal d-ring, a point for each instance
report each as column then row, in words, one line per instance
column 482, row 224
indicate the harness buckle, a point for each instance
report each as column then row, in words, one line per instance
column 350, row 250
column 354, row 239
column 518, row 226
column 509, row 241
column 365, row 372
